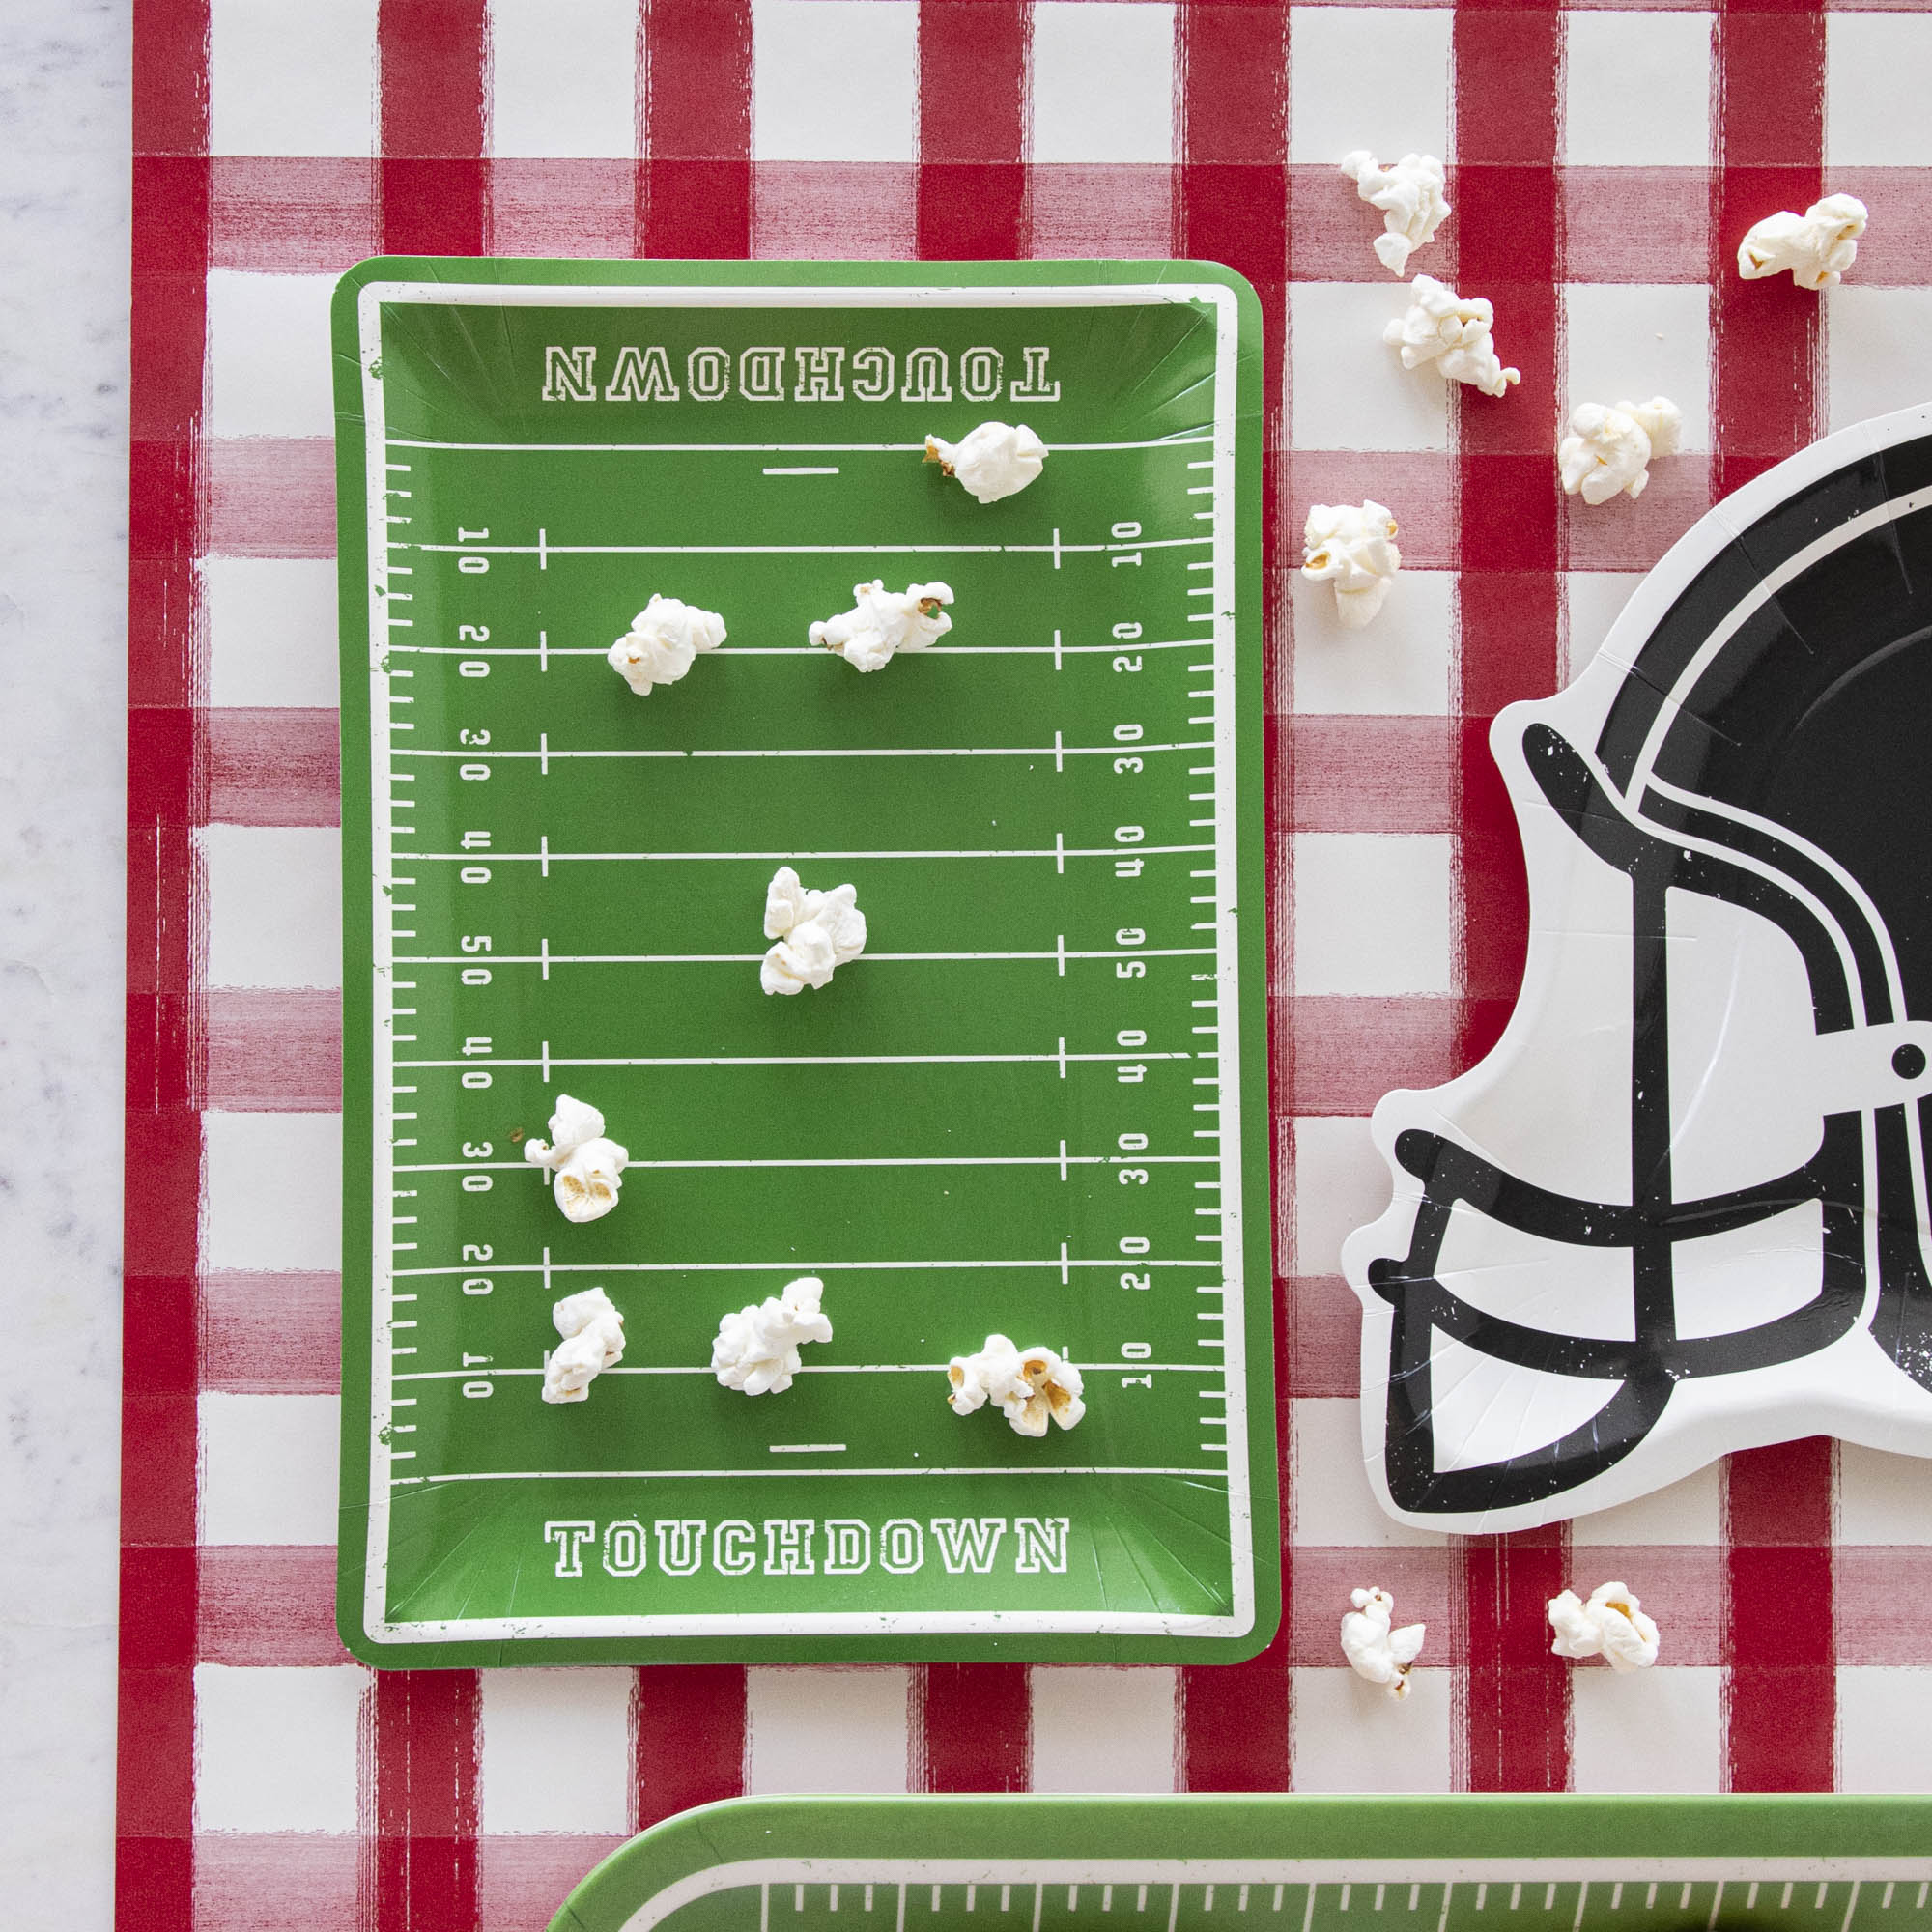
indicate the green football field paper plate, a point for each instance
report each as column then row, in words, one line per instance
column 1038, row 1105
column 1271, row 1864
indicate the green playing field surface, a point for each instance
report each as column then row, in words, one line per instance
column 1384, row 1863
column 1036, row 1106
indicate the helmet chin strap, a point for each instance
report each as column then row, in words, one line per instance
column 1867, row 1067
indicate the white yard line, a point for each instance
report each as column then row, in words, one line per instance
column 792, row 856
column 547, row 549
column 806, row 650
column 918, row 1470
column 1139, row 1263
column 832, row 1369
column 550, row 754
column 548, row 959
column 881, row 1161
column 767, row 448
column 805, row 1060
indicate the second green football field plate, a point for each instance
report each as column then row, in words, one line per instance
column 1036, row 1106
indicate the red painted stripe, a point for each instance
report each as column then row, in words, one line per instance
column 1340, row 1055
column 1679, row 492
column 155, row 1750
column 268, row 1606
column 1079, row 209
column 1869, row 1583
column 695, row 185
column 270, row 496
column 278, row 1881
column 272, row 766
column 831, row 211
column 1231, row 205
column 1335, row 229
column 1508, row 205
column 432, row 173
column 293, row 213
column 1896, row 252
column 1355, row 774
column 270, row 1334
column 1421, row 1580
column 423, row 1872
column 527, row 1878
column 1636, row 224
column 1325, row 1350
column 1780, row 1683
column 972, row 1727
column 690, row 1737
column 276, row 1050
column 1781, row 1687
column 973, row 69
column 1770, row 68
column 1418, row 485
column 581, row 208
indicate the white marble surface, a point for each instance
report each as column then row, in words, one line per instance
column 64, row 103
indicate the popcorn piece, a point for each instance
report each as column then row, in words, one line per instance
column 594, row 1340
column 995, row 459
column 1608, row 451
column 1439, row 326
column 1033, row 1386
column 1817, row 246
column 1353, row 550
column 1612, row 1625
column 758, row 1347
column 1409, row 194
column 816, row 934
column 663, row 639
column 586, row 1165
column 1374, row 1651
column 883, row 621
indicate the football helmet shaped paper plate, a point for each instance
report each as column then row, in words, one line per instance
column 1682, row 1208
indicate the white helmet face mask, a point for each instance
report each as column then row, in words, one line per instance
column 1682, row 1206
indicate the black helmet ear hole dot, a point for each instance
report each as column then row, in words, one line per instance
column 1909, row 1063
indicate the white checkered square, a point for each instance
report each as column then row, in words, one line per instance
column 1685, row 1512
column 276, row 1746
column 1882, row 1498
column 556, row 1751
column 835, row 80
column 1346, row 389
column 292, row 77
column 1646, row 1731
column 1593, row 600
column 1096, row 1728
column 1340, row 1183
column 1885, row 1729
column 1877, row 67
column 826, row 1729
column 1629, row 341
column 1373, row 912
column 273, row 1188
column 1874, row 349
column 268, row 1468
column 1638, row 89
column 1351, row 1735
column 1334, row 1506
column 271, row 636
column 274, row 904
column 270, row 368
column 1374, row 77
column 1102, row 81
column 563, row 78
column 1398, row 667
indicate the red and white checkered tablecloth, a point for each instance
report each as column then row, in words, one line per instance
column 1605, row 160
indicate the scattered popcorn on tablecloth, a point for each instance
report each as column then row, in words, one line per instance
column 758, row 1346
column 1374, row 1651
column 1817, row 246
column 816, row 931
column 586, row 1164
column 882, row 622
column 662, row 641
column 1608, row 449
column 1439, row 326
column 993, row 461
column 1409, row 194
column 1612, row 1625
column 594, row 1340
column 1353, row 550
column 1032, row 1386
